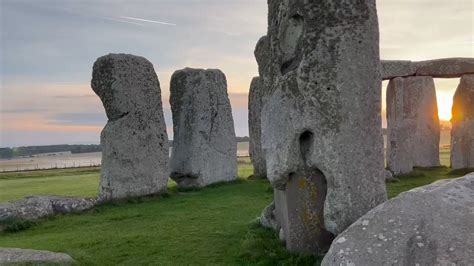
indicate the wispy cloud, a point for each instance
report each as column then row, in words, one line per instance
column 80, row 119
column 23, row 110
column 68, row 97
column 148, row 20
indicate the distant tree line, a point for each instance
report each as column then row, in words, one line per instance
column 8, row 153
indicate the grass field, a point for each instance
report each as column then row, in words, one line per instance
column 210, row 226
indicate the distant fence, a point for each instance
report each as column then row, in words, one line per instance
column 36, row 167
column 70, row 165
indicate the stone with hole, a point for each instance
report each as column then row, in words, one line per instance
column 321, row 131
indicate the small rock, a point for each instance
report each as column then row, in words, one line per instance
column 14, row 256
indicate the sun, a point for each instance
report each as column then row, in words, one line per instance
column 445, row 104
column 445, row 89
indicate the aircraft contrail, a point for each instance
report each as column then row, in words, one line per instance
column 151, row 21
column 122, row 21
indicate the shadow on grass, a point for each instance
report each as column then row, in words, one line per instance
column 13, row 225
column 261, row 246
column 461, row 172
column 172, row 192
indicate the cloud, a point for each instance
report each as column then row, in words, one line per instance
column 49, row 47
column 80, row 119
column 23, row 110
column 68, row 97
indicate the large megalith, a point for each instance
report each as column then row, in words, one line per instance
column 413, row 124
column 430, row 225
column 204, row 146
column 321, row 130
column 258, row 94
column 462, row 132
column 255, row 105
column 134, row 142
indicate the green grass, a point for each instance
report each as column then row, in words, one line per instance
column 82, row 182
column 209, row 226
column 421, row 177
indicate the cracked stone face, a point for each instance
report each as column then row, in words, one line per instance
column 413, row 124
column 323, row 82
column 135, row 153
column 462, row 131
column 204, row 146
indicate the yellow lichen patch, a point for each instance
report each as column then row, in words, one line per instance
column 310, row 220
column 302, row 183
column 313, row 189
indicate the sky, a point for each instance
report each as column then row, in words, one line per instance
column 47, row 50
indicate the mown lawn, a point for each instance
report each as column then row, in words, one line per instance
column 210, row 226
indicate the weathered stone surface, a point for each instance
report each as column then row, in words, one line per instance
column 413, row 124
column 431, row 225
column 262, row 55
column 268, row 219
column 438, row 68
column 35, row 207
column 204, row 146
column 388, row 175
column 15, row 256
column 255, row 130
column 445, row 68
column 321, row 128
column 397, row 68
column 462, row 131
column 134, row 142
column 258, row 95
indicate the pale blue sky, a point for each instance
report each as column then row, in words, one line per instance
column 48, row 48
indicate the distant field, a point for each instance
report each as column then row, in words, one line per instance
column 210, row 226
column 73, row 160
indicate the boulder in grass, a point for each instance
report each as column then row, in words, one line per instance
column 16, row 256
column 430, row 225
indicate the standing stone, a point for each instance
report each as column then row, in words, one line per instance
column 134, row 142
column 258, row 94
column 321, row 130
column 462, row 132
column 255, row 146
column 204, row 147
column 413, row 124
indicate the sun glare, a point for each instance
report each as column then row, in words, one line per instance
column 445, row 104
column 445, row 89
